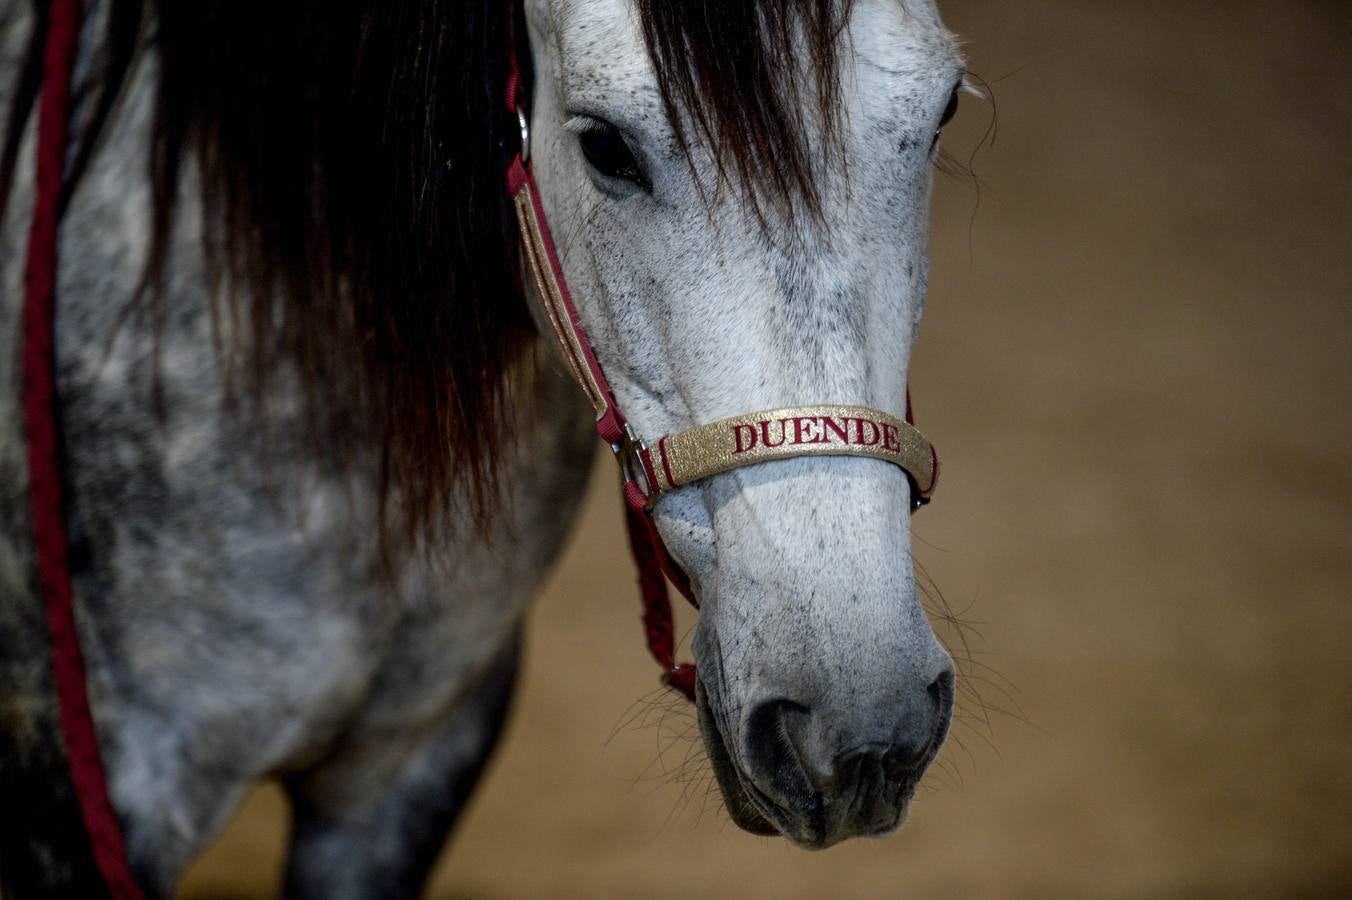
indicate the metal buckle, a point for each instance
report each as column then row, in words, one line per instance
column 525, row 134
column 629, row 454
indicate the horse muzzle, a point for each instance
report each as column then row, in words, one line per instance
column 821, row 776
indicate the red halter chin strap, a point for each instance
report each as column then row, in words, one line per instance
column 678, row 459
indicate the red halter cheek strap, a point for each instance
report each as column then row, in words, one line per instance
column 699, row 452
column 650, row 554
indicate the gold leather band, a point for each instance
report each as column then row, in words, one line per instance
column 539, row 259
column 819, row 430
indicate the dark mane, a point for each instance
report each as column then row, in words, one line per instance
column 355, row 154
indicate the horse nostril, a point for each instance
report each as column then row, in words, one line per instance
column 940, row 691
column 806, row 757
column 768, row 744
column 920, row 732
column 898, row 762
column 941, row 695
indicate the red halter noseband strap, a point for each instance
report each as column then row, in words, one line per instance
column 650, row 470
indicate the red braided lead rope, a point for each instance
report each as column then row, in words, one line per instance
column 44, row 465
column 658, row 623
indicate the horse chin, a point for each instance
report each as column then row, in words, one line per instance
column 739, row 802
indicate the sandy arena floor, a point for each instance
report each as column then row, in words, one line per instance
column 1137, row 361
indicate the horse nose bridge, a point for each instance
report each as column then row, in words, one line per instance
column 845, row 340
column 824, row 517
column 814, row 581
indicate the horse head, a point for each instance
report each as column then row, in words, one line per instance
column 721, row 264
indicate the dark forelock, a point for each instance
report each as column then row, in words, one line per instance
column 746, row 76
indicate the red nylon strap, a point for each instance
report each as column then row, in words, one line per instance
column 513, row 68
column 649, row 552
column 610, row 423
column 658, row 625
column 44, row 467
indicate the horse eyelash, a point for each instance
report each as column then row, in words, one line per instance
column 582, row 123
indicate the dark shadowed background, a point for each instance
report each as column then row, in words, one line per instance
column 1137, row 362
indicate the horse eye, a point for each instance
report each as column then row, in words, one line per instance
column 608, row 154
column 950, row 110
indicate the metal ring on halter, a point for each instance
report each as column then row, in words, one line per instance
column 525, row 134
column 629, row 454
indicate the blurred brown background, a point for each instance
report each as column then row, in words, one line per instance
column 1137, row 361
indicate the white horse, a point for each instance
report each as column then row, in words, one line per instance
column 740, row 205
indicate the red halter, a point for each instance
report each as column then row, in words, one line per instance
column 649, row 552
column 687, row 456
